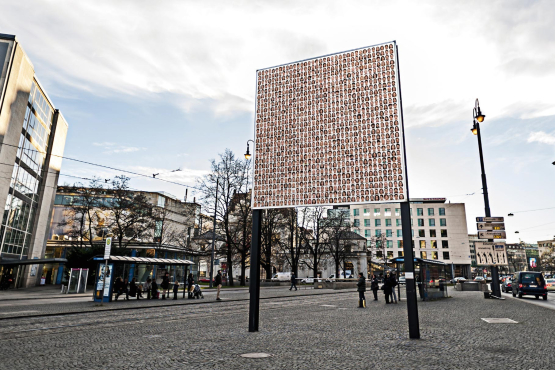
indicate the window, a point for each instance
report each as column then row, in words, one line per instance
column 445, row 255
column 434, row 255
column 356, row 212
column 432, row 222
column 430, row 211
column 412, row 244
column 388, row 233
column 442, row 222
column 442, row 211
column 432, row 233
column 379, row 254
column 443, row 233
column 444, row 244
column 399, row 244
column 376, row 212
column 400, row 254
column 369, row 243
column 366, row 222
column 433, row 244
column 387, row 222
column 411, row 224
column 423, row 255
column 398, row 222
column 367, row 233
column 420, row 211
column 377, row 222
column 420, row 222
column 378, row 232
column 161, row 201
column 399, row 233
column 390, row 243
column 412, row 233
column 387, row 212
column 390, row 254
column 357, row 222
column 422, row 244
column 421, row 233
column 397, row 212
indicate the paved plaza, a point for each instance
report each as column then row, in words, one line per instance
column 300, row 330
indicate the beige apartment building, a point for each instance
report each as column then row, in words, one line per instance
column 439, row 230
column 32, row 139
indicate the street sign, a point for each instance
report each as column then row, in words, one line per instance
column 108, row 248
column 492, row 235
column 490, row 226
column 490, row 219
column 490, row 253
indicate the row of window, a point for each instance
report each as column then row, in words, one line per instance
column 389, row 222
column 389, row 233
column 433, row 255
column 423, row 244
column 387, row 212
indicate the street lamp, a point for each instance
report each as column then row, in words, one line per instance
column 477, row 117
column 510, row 214
column 248, row 153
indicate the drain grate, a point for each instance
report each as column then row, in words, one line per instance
column 256, row 355
column 499, row 321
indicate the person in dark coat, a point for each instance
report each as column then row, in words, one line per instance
column 190, row 282
column 361, row 288
column 154, row 289
column 293, row 281
column 147, row 288
column 374, row 285
column 133, row 288
column 393, row 283
column 165, row 285
column 124, row 288
column 387, row 288
column 218, row 284
column 175, row 289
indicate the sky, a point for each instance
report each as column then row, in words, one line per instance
column 151, row 87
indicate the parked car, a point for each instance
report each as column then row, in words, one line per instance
column 341, row 276
column 282, row 276
column 310, row 280
column 458, row 279
column 550, row 283
column 507, row 285
column 204, row 280
column 529, row 283
column 479, row 278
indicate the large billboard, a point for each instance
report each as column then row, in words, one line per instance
column 329, row 131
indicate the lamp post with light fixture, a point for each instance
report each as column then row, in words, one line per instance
column 479, row 117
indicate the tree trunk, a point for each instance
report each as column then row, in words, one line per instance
column 229, row 263
column 243, row 269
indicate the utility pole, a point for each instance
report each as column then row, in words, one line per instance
column 214, row 232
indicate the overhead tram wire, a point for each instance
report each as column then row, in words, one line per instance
column 108, row 167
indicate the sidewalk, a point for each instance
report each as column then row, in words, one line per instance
column 39, row 292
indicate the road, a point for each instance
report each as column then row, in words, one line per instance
column 550, row 303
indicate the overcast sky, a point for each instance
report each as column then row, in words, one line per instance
column 155, row 86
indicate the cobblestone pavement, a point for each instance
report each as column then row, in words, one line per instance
column 300, row 332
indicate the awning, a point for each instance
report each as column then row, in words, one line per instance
column 37, row 261
column 145, row 260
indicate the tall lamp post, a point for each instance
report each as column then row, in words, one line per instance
column 214, row 231
column 479, row 117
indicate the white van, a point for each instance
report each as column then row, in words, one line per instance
column 282, row 276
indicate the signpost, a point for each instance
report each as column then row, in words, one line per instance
column 491, row 253
column 492, row 235
column 490, row 219
column 107, row 251
column 490, row 226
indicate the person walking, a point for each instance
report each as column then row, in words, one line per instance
column 393, row 283
column 218, row 284
column 374, row 285
column 190, row 282
column 165, row 285
column 147, row 288
column 361, row 288
column 387, row 288
column 293, row 281
column 175, row 289
column 123, row 288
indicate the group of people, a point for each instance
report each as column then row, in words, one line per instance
column 388, row 287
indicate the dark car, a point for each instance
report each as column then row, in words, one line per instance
column 529, row 283
column 507, row 285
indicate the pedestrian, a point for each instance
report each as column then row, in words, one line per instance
column 190, row 282
column 139, row 291
column 393, row 283
column 154, row 288
column 218, row 284
column 147, row 288
column 124, row 288
column 175, row 289
column 361, row 288
column 165, row 285
column 117, row 287
column 133, row 288
column 374, row 285
column 387, row 288
column 293, row 281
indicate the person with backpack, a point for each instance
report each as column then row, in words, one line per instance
column 361, row 288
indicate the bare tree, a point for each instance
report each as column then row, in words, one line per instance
column 337, row 228
column 296, row 241
column 273, row 227
column 317, row 245
column 378, row 244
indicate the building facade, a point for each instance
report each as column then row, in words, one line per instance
column 439, row 230
column 32, row 140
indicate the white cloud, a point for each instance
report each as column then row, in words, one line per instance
column 114, row 148
column 541, row 137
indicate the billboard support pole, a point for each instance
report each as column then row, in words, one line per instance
column 408, row 254
column 254, row 275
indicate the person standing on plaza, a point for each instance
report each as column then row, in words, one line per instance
column 147, row 288
column 374, row 285
column 133, row 288
column 190, row 282
column 393, row 283
column 218, row 284
column 154, row 289
column 386, row 288
column 165, row 285
column 175, row 289
column 117, row 287
column 361, row 288
column 293, row 281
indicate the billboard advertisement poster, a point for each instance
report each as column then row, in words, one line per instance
column 100, row 282
column 329, row 131
column 490, row 254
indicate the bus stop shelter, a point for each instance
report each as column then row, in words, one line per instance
column 139, row 268
column 430, row 276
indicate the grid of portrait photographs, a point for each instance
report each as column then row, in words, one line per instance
column 329, row 131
